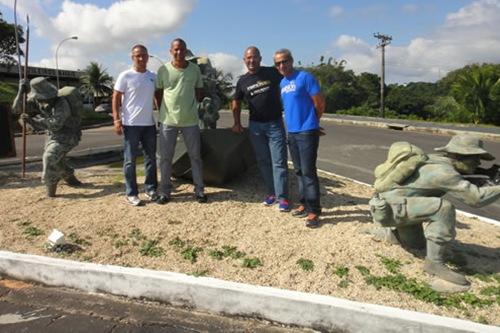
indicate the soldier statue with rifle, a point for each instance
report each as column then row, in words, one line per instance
column 410, row 186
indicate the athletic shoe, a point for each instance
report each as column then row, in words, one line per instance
column 312, row 220
column 134, row 200
column 162, row 199
column 269, row 200
column 201, row 198
column 300, row 212
column 152, row 196
column 284, row 206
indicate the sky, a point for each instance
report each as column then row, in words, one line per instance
column 429, row 37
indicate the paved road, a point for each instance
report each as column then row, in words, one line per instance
column 348, row 150
column 32, row 308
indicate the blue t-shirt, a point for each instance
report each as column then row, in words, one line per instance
column 296, row 92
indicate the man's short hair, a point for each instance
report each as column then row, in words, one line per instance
column 179, row 40
column 254, row 48
column 286, row 52
column 139, row 46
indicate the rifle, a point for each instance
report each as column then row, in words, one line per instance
column 485, row 177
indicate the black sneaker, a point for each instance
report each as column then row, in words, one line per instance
column 312, row 220
column 299, row 212
column 201, row 198
column 152, row 196
column 162, row 199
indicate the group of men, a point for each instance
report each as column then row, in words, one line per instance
column 178, row 88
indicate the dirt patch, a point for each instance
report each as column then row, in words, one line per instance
column 234, row 237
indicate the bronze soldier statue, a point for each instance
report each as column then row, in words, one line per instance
column 410, row 187
column 59, row 113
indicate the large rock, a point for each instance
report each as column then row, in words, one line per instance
column 225, row 155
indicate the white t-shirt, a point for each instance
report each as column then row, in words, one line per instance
column 137, row 102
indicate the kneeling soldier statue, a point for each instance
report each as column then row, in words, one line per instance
column 59, row 113
column 410, row 187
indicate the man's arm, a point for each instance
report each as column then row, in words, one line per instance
column 319, row 104
column 115, row 108
column 158, row 97
column 236, row 107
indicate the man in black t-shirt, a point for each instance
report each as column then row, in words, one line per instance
column 259, row 87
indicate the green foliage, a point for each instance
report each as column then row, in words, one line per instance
column 363, row 270
column 491, row 291
column 305, row 264
column 8, row 54
column 150, row 248
column 177, row 243
column 8, row 92
column 96, row 82
column 341, row 271
column 31, row 232
column 199, row 273
column 73, row 237
column 232, row 251
column 392, row 265
column 251, row 262
column 343, row 283
column 136, row 234
column 191, row 253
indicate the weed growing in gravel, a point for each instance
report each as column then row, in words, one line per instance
column 232, row 252
column 199, row 273
column 177, row 243
column 251, row 262
column 392, row 265
column 306, row 264
column 341, row 271
column 191, row 253
column 343, row 283
column 150, row 248
column 31, row 232
column 216, row 254
column 78, row 240
column 120, row 243
column 136, row 234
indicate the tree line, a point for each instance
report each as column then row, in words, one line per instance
column 470, row 94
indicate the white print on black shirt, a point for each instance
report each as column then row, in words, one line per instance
column 259, row 87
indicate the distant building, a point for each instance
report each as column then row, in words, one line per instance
column 66, row 77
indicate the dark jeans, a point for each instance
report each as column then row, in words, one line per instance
column 304, row 152
column 146, row 137
column 269, row 143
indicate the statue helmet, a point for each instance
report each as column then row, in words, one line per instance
column 466, row 144
column 42, row 89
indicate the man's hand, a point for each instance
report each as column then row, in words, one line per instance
column 118, row 127
column 237, row 128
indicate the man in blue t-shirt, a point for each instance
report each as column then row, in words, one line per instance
column 259, row 87
column 304, row 105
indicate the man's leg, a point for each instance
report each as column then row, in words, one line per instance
column 131, row 135
column 260, row 145
column 277, row 147
column 297, row 165
column 148, row 141
column 168, row 140
column 192, row 139
column 307, row 145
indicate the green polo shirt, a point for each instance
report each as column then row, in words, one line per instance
column 179, row 106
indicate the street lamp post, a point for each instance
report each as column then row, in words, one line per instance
column 57, row 51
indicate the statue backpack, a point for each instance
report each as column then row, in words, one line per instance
column 75, row 101
column 403, row 159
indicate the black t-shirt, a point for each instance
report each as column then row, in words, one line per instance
column 262, row 93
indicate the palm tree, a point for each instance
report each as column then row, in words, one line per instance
column 96, row 82
column 474, row 90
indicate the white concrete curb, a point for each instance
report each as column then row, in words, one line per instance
column 224, row 297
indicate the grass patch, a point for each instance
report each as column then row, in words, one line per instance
column 191, row 253
column 251, row 262
column 199, row 273
column 73, row 237
column 150, row 248
column 31, row 232
column 341, row 271
column 305, row 264
column 343, row 283
column 177, row 243
column 232, row 252
column 136, row 234
column 392, row 265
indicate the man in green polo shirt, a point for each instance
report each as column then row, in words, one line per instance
column 179, row 88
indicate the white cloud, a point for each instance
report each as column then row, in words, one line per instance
column 103, row 31
column 336, row 11
column 228, row 63
column 467, row 36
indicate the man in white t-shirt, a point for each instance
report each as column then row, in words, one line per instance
column 133, row 117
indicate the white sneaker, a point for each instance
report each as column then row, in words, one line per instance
column 151, row 195
column 134, row 200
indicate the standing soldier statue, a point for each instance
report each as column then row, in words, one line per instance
column 410, row 187
column 59, row 113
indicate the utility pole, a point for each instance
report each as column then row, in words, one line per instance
column 384, row 40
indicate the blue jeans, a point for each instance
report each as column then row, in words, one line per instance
column 269, row 143
column 145, row 136
column 304, row 153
